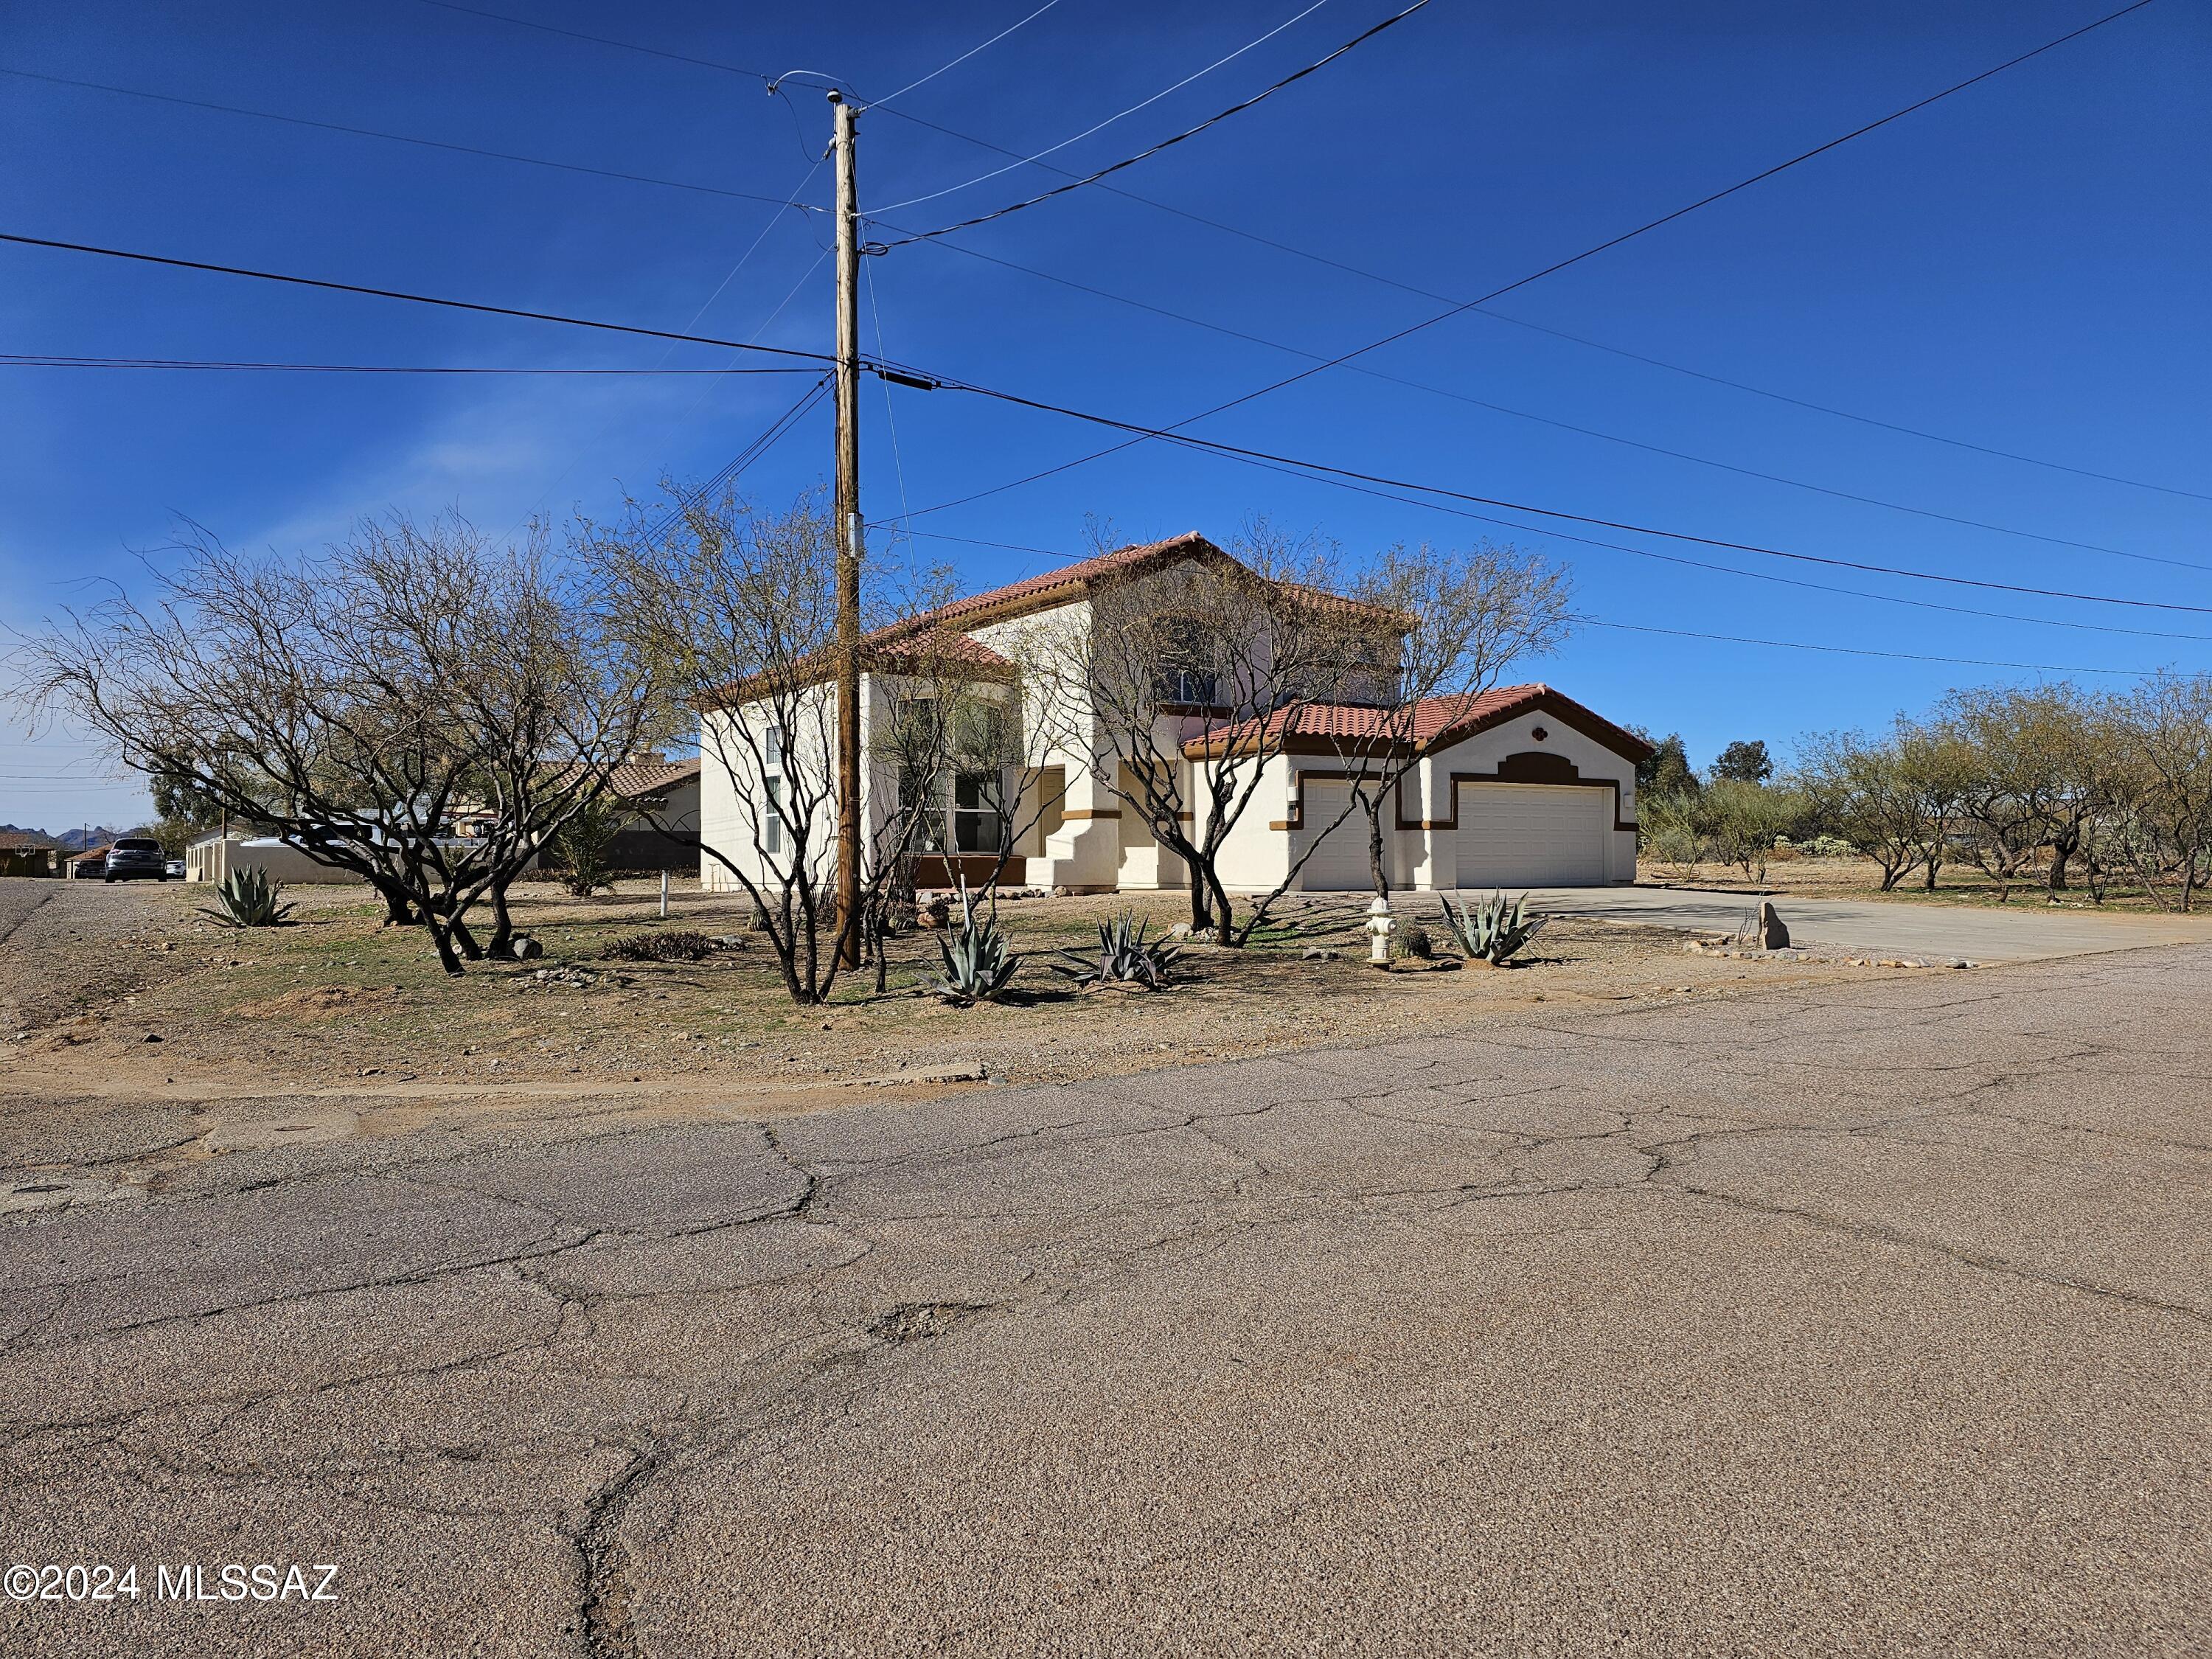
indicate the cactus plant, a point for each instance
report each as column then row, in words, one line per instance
column 978, row 965
column 1125, row 958
column 248, row 899
column 1491, row 930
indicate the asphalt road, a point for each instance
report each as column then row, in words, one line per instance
column 1868, row 1323
column 2024, row 931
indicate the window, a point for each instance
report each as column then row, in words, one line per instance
column 977, row 823
column 1186, row 671
column 963, row 815
column 772, row 816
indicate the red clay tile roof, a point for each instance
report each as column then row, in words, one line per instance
column 905, row 643
column 652, row 777
column 1054, row 586
column 890, row 644
column 1434, row 721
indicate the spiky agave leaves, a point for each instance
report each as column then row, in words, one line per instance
column 1125, row 958
column 979, row 964
column 248, row 899
column 1492, row 930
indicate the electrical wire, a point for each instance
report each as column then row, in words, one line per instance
column 1863, row 650
column 1388, row 281
column 1169, row 143
column 744, row 457
column 599, row 39
column 30, row 360
column 405, row 138
column 964, row 57
column 1693, row 564
column 1324, row 473
column 1596, row 622
column 1100, row 127
column 1402, row 286
column 414, row 299
column 1611, row 242
column 891, row 414
column 1565, row 426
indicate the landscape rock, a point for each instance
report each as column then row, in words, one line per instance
column 1770, row 933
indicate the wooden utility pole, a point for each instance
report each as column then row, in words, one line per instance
column 848, row 538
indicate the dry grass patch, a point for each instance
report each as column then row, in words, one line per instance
column 338, row 998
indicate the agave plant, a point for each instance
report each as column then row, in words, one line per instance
column 248, row 899
column 1125, row 956
column 977, row 962
column 1491, row 930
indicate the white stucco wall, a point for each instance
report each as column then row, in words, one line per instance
column 1255, row 856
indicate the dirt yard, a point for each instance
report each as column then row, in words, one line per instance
column 130, row 991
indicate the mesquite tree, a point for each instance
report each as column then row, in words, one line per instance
column 357, row 705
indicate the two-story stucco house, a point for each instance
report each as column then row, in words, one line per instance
column 1519, row 786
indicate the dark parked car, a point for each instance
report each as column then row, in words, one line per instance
column 136, row 856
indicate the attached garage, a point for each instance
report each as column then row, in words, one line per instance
column 1518, row 788
column 1522, row 835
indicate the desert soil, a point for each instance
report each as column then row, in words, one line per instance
column 131, row 990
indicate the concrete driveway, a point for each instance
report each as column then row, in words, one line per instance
column 1872, row 1320
column 2023, row 932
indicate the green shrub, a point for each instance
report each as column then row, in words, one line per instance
column 679, row 945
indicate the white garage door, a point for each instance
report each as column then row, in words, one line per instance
column 1521, row 835
column 1339, row 863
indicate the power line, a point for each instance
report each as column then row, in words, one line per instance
column 1167, row 144
column 406, row 138
column 1595, row 621
column 1550, row 534
column 1838, row 413
column 414, row 299
column 744, row 457
column 1859, row 651
column 1590, row 252
column 1387, row 281
column 1100, row 127
column 600, row 40
column 964, row 57
column 32, row 360
column 1565, row 426
column 1324, row 473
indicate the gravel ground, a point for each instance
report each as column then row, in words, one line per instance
column 1869, row 1318
column 130, row 991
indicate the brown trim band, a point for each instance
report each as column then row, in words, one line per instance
column 1531, row 765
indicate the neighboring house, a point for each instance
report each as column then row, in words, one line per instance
column 29, row 853
column 217, row 856
column 669, row 791
column 1519, row 786
column 89, row 864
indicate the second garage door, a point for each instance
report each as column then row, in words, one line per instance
column 1519, row 834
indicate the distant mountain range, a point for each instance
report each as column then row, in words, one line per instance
column 73, row 840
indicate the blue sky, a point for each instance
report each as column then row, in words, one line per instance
column 2019, row 267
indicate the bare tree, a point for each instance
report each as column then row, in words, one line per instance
column 733, row 608
column 1188, row 679
column 356, row 705
column 1862, row 792
column 2163, row 820
column 1445, row 625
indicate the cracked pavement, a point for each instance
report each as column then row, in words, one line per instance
column 1872, row 1319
